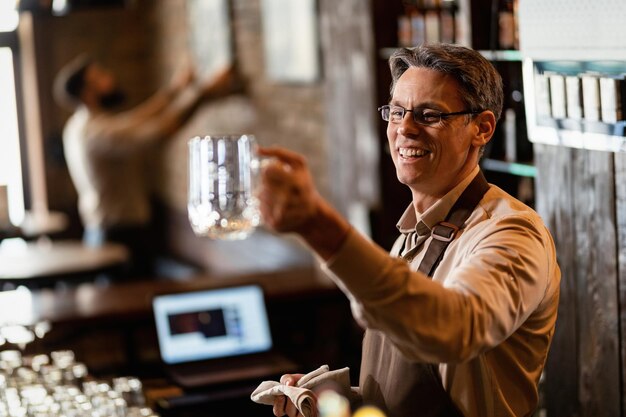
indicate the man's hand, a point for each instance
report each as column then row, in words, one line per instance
column 184, row 76
column 283, row 405
column 223, row 82
column 289, row 199
column 291, row 203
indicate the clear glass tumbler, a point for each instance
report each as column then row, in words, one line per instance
column 223, row 177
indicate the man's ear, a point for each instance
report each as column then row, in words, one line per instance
column 486, row 126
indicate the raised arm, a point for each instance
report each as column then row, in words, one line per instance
column 159, row 117
column 182, row 78
column 486, row 297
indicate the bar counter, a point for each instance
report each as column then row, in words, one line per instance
column 93, row 302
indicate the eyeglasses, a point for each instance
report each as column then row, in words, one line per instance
column 425, row 117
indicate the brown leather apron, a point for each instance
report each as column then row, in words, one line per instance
column 400, row 387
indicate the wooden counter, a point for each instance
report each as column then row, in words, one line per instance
column 39, row 261
column 132, row 300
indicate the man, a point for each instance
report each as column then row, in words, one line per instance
column 473, row 340
column 106, row 149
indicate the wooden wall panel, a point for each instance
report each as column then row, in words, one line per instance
column 554, row 190
column 620, row 204
column 596, row 275
column 576, row 195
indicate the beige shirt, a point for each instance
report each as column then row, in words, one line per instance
column 107, row 170
column 487, row 316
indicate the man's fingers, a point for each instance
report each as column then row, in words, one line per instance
column 286, row 156
column 285, row 405
column 291, row 409
column 279, row 406
column 276, row 173
column 287, row 379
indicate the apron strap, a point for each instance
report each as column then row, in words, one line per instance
column 422, row 391
column 445, row 232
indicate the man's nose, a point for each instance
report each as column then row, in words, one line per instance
column 407, row 125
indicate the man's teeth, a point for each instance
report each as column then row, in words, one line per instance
column 412, row 152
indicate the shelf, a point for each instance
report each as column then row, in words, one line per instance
column 514, row 168
column 502, row 55
column 575, row 139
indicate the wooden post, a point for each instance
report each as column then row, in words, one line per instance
column 576, row 195
column 620, row 210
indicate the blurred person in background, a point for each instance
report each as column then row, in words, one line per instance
column 106, row 149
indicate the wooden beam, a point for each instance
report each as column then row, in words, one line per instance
column 596, row 276
column 620, row 210
column 554, row 189
column 579, row 193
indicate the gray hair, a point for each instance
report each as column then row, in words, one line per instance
column 481, row 84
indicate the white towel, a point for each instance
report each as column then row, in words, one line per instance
column 301, row 394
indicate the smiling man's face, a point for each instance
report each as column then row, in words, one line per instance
column 431, row 160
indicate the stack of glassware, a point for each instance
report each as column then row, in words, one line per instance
column 59, row 386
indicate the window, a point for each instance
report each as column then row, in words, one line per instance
column 10, row 165
column 8, row 16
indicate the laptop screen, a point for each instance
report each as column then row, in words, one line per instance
column 211, row 324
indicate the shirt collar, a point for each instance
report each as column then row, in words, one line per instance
column 409, row 222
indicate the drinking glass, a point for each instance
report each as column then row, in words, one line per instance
column 223, row 177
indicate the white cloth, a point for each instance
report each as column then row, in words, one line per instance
column 301, row 394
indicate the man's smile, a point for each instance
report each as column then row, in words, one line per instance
column 412, row 152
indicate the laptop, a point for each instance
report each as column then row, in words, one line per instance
column 217, row 336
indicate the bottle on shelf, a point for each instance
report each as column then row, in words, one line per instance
column 510, row 136
column 448, row 25
column 427, row 21
column 432, row 26
column 507, row 25
column 404, row 30
column 418, row 27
